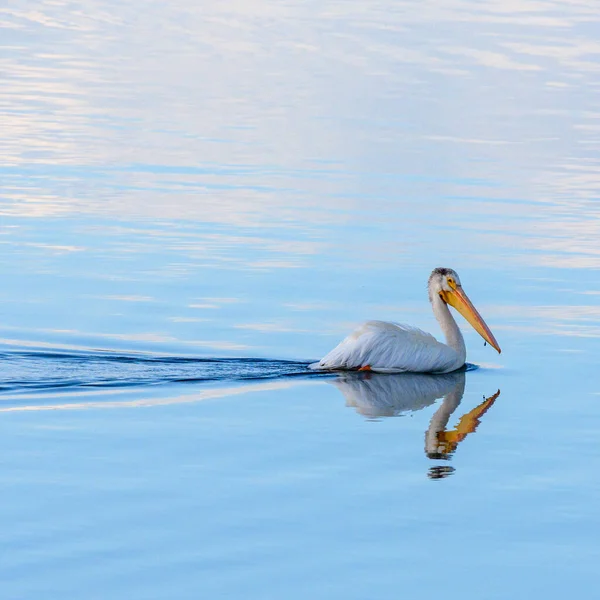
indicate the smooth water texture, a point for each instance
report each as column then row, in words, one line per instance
column 198, row 200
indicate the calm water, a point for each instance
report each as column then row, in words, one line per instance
column 200, row 198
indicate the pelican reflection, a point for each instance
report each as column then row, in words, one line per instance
column 381, row 395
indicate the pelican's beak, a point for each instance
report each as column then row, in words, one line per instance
column 460, row 301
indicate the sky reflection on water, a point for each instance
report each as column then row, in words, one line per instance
column 252, row 180
column 390, row 140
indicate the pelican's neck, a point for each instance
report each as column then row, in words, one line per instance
column 452, row 333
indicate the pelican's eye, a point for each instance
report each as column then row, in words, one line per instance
column 451, row 282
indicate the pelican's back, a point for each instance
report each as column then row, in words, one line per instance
column 391, row 348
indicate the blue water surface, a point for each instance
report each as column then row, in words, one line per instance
column 198, row 200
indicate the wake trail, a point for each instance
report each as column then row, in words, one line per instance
column 45, row 371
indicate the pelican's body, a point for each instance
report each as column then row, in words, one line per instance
column 394, row 348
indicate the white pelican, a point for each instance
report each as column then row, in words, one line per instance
column 394, row 348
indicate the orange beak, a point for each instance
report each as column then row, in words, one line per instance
column 460, row 301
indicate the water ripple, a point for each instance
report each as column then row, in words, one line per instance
column 26, row 371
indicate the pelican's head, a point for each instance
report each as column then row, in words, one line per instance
column 445, row 283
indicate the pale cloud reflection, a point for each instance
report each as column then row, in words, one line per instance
column 311, row 306
column 223, row 300
column 318, row 121
column 275, row 264
column 211, row 394
column 495, row 60
column 568, row 320
column 187, row 319
column 153, row 338
column 219, row 345
column 206, row 248
column 271, row 327
column 203, row 306
column 55, row 247
column 131, row 298
column 568, row 330
column 52, row 248
column 214, row 303
column 553, row 313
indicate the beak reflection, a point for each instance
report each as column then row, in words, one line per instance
column 379, row 395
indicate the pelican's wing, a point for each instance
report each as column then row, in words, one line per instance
column 390, row 348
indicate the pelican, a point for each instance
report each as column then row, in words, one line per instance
column 395, row 348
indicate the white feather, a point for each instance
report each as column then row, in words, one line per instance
column 391, row 348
